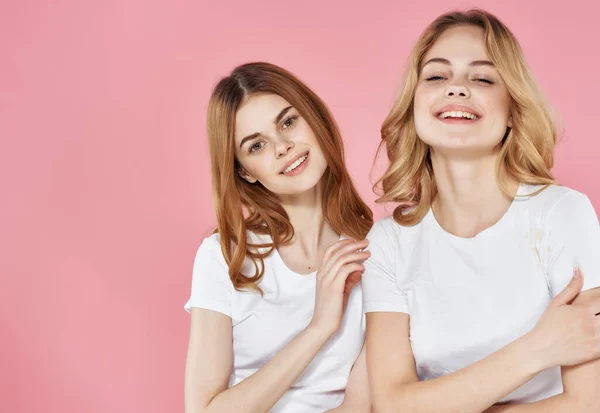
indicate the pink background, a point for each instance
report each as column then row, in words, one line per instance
column 104, row 165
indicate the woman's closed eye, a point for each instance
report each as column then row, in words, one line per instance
column 434, row 78
column 484, row 80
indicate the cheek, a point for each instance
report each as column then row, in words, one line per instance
column 255, row 165
column 499, row 105
column 262, row 167
column 419, row 100
column 507, row 105
column 425, row 99
column 499, row 101
column 304, row 134
column 422, row 105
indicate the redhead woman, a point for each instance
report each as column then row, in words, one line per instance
column 277, row 323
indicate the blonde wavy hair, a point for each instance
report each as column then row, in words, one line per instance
column 527, row 152
column 242, row 206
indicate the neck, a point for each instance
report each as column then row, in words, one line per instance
column 469, row 199
column 305, row 212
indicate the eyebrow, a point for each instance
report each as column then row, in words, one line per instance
column 281, row 114
column 248, row 138
column 447, row 62
column 277, row 119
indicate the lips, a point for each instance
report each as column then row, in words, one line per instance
column 458, row 112
column 294, row 160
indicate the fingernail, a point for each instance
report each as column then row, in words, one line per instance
column 576, row 271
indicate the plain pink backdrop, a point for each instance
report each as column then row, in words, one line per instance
column 104, row 167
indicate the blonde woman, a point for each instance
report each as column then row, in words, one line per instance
column 463, row 287
column 276, row 304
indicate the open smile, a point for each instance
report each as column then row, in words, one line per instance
column 295, row 164
column 457, row 113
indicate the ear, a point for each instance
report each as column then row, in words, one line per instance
column 245, row 175
column 510, row 120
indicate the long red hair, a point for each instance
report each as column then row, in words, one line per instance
column 241, row 206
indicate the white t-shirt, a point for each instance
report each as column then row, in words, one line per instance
column 262, row 326
column 468, row 298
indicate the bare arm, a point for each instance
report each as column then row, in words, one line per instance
column 580, row 382
column 209, row 367
column 210, row 352
column 395, row 385
column 356, row 398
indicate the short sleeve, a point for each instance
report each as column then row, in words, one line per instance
column 211, row 287
column 380, row 291
column 574, row 236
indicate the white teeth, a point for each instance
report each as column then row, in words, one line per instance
column 295, row 164
column 458, row 114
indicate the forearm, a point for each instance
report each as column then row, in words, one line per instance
column 259, row 392
column 469, row 390
column 580, row 395
column 556, row 404
column 344, row 408
column 357, row 398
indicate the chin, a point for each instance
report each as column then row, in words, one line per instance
column 308, row 180
column 445, row 140
column 298, row 187
column 303, row 187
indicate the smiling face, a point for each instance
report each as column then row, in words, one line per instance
column 276, row 147
column 461, row 102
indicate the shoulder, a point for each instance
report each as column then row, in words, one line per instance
column 558, row 205
column 213, row 242
column 384, row 224
column 388, row 228
column 209, row 253
column 546, row 196
column 384, row 230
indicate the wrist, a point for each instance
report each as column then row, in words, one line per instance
column 530, row 354
column 318, row 333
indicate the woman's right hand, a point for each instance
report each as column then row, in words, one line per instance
column 341, row 269
column 568, row 333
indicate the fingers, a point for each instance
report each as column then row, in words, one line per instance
column 570, row 292
column 330, row 254
column 335, row 247
column 338, row 250
column 343, row 247
column 353, row 279
column 343, row 261
column 339, row 282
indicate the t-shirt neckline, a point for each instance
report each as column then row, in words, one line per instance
column 497, row 228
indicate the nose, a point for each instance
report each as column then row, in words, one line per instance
column 282, row 147
column 458, row 90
